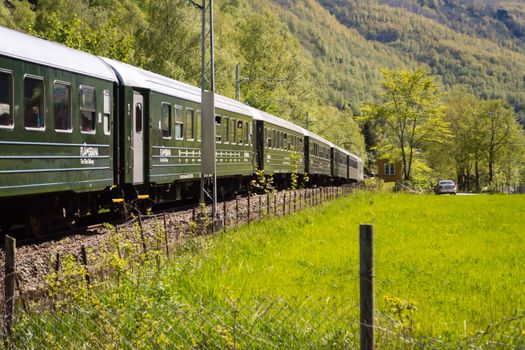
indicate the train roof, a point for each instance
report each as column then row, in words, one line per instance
column 355, row 157
column 318, row 138
column 342, row 150
column 267, row 117
column 140, row 78
column 32, row 49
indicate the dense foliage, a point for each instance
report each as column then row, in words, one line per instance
column 164, row 36
column 478, row 142
column 318, row 57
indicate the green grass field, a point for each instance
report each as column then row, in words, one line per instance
column 460, row 260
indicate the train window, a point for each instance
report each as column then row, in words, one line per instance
column 34, row 117
column 226, row 129
column 268, row 138
column 165, row 112
column 246, row 134
column 240, row 131
column 107, row 112
column 251, row 133
column 190, row 124
column 6, row 100
column 88, row 109
column 198, row 125
column 138, row 117
column 218, row 123
column 179, row 123
column 233, row 131
column 281, row 140
column 62, row 106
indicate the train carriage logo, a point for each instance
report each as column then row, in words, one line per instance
column 88, row 153
column 165, row 153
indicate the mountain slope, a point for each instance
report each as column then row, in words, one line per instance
column 475, row 43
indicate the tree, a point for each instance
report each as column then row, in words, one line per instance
column 500, row 124
column 276, row 73
column 486, row 142
column 341, row 128
column 409, row 119
column 465, row 148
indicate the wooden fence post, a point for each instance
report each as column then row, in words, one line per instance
column 144, row 247
column 166, row 234
column 83, row 256
column 260, row 207
column 57, row 262
column 248, row 208
column 224, row 213
column 367, row 276
column 268, row 204
column 284, row 203
column 236, row 211
column 9, row 284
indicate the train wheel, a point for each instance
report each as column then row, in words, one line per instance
column 41, row 222
column 35, row 224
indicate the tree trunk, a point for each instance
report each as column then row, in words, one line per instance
column 476, row 166
column 491, row 162
column 410, row 163
column 404, row 159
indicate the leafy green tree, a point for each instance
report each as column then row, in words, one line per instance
column 486, row 142
column 106, row 28
column 340, row 127
column 500, row 123
column 170, row 45
column 409, row 118
column 466, row 147
column 275, row 72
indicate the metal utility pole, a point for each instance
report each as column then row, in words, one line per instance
column 307, row 121
column 208, row 147
column 237, row 82
column 212, row 89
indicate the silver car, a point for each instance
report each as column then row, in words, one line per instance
column 445, row 186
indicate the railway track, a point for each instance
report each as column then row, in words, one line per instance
column 88, row 225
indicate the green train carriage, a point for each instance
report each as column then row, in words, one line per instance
column 280, row 147
column 318, row 159
column 160, row 138
column 56, row 137
column 340, row 164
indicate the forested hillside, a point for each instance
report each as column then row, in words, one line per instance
column 480, row 44
column 321, row 57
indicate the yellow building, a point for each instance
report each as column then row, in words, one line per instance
column 389, row 171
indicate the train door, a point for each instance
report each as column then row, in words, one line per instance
column 138, row 138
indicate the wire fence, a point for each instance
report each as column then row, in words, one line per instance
column 124, row 294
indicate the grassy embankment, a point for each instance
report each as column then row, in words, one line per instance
column 460, row 260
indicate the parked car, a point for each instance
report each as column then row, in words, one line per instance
column 445, row 186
